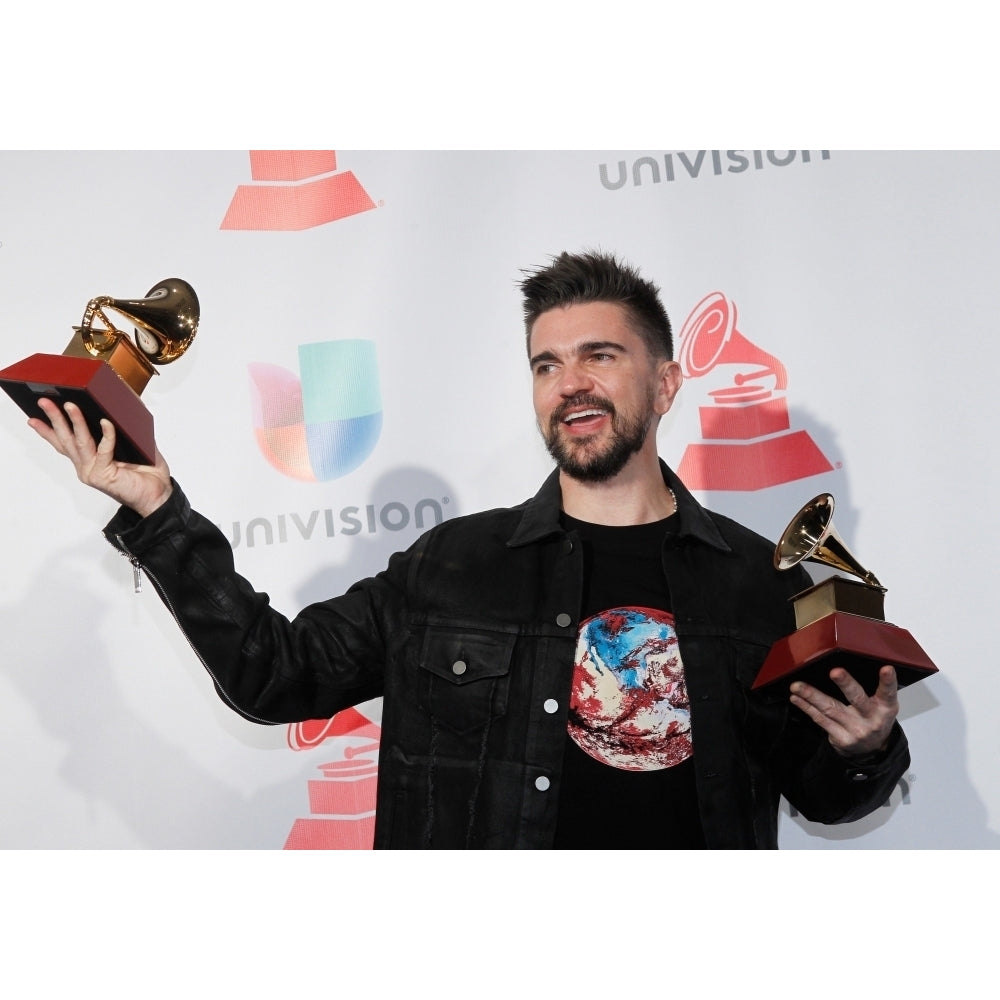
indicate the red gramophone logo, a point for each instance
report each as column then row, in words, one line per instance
column 748, row 443
column 295, row 189
column 342, row 800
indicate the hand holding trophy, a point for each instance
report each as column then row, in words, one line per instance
column 839, row 622
column 103, row 372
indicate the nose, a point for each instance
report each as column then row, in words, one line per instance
column 575, row 379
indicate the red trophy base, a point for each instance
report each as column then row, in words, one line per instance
column 860, row 645
column 95, row 387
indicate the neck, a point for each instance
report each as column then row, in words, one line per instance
column 637, row 495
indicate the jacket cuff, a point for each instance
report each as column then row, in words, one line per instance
column 137, row 533
column 865, row 767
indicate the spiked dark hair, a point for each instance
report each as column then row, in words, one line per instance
column 592, row 276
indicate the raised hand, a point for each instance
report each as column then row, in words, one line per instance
column 860, row 727
column 141, row 487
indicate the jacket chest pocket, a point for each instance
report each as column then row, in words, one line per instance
column 464, row 676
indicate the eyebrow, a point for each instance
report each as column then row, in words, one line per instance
column 588, row 347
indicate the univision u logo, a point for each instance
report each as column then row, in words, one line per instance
column 326, row 423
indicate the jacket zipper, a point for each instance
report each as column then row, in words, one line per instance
column 137, row 569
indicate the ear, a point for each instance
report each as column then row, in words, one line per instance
column 669, row 379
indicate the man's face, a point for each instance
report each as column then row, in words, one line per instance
column 597, row 391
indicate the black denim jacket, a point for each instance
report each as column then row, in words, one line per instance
column 470, row 635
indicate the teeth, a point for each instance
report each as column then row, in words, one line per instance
column 582, row 414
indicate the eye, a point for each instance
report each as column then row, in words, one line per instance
column 544, row 368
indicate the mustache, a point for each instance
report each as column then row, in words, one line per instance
column 581, row 399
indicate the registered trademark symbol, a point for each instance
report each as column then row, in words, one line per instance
column 381, row 203
column 840, row 465
column 445, row 499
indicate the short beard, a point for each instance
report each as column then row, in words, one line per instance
column 628, row 436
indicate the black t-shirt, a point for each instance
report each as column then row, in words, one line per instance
column 628, row 775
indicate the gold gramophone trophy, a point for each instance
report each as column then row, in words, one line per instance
column 838, row 622
column 103, row 371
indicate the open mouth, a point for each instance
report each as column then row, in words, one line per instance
column 583, row 415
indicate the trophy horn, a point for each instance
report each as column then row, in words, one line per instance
column 166, row 321
column 811, row 536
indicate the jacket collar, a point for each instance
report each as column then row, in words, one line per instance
column 540, row 514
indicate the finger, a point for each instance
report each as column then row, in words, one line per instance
column 66, row 421
column 852, row 690
column 823, row 710
column 77, row 441
column 81, row 431
column 888, row 684
column 53, row 412
column 54, row 428
column 830, row 712
column 818, row 698
column 44, row 430
column 813, row 702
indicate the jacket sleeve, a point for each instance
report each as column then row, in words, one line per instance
column 826, row 787
column 268, row 668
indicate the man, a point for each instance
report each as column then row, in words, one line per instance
column 572, row 672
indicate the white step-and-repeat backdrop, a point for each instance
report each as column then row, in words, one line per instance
column 379, row 288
